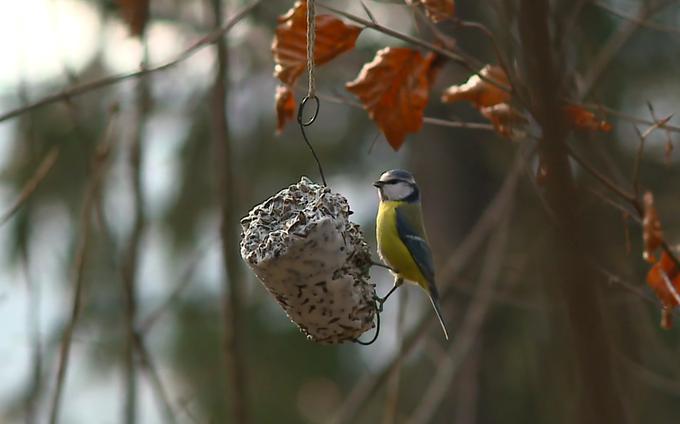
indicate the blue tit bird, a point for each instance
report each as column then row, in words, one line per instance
column 402, row 242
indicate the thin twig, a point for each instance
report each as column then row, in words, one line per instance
column 629, row 117
column 630, row 198
column 643, row 22
column 497, row 51
column 130, row 256
column 604, row 180
column 184, row 280
column 472, row 324
column 99, row 165
column 33, row 183
column 152, row 373
column 614, row 44
column 427, row 120
column 368, row 12
column 225, row 192
column 392, row 397
column 457, row 58
column 33, row 320
column 636, row 163
column 81, row 89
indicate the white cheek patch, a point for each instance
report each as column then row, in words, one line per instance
column 397, row 191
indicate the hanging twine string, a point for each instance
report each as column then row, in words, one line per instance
column 311, row 39
column 311, row 88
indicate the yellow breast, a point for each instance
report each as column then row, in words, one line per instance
column 390, row 246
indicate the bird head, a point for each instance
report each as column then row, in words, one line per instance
column 398, row 185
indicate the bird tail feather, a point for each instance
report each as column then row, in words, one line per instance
column 434, row 298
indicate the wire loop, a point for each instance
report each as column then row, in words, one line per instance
column 377, row 326
column 301, row 110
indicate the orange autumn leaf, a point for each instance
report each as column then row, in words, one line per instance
column 438, row 10
column 285, row 106
column 289, row 47
column 135, row 13
column 505, row 118
column 652, row 234
column 583, row 119
column 394, row 89
column 478, row 91
column 664, row 279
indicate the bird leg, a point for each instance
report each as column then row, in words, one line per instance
column 381, row 265
column 397, row 283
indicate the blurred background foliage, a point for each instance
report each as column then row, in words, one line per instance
column 511, row 372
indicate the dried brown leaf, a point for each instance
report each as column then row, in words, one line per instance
column 478, row 91
column 505, row 119
column 394, row 89
column 289, row 47
column 583, row 119
column 664, row 279
column 438, row 10
column 285, row 107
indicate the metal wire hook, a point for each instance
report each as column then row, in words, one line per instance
column 302, row 124
column 301, row 110
column 377, row 327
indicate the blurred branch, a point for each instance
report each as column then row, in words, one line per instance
column 427, row 120
column 153, row 376
column 630, row 198
column 615, row 43
column 462, row 59
column 33, row 317
column 130, row 256
column 573, row 280
column 632, row 118
column 81, row 89
column 33, row 183
column 638, row 20
column 225, row 191
column 468, row 331
column 369, row 385
column 392, row 397
column 185, row 278
column 99, row 165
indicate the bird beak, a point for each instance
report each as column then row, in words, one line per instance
column 378, row 184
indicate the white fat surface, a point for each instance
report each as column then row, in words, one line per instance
column 313, row 260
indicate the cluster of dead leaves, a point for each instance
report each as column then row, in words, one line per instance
column 394, row 87
column 489, row 91
column 664, row 275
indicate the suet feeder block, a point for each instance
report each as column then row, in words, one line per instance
column 308, row 254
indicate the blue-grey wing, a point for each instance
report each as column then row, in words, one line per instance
column 411, row 233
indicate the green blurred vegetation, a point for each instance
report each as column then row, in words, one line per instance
column 515, row 370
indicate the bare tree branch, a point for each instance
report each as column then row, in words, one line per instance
column 615, row 43
column 460, row 58
column 130, row 256
column 33, row 183
column 472, row 324
column 225, row 191
column 84, row 88
column 99, row 166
